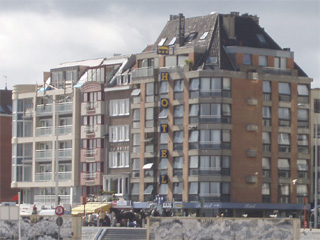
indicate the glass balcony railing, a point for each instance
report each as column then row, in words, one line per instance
column 43, row 154
column 49, row 200
column 43, row 131
column 43, row 177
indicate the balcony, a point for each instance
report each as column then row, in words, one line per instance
column 43, row 177
column 65, row 153
column 278, row 71
column 65, row 130
column 146, row 72
column 64, row 176
column 65, row 107
column 43, row 154
column 49, row 200
column 43, row 131
column 44, row 109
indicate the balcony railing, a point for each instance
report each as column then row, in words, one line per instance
column 142, row 72
column 43, row 154
column 43, row 131
column 90, row 152
column 65, row 107
column 43, row 177
column 278, row 71
column 44, row 109
column 65, row 153
column 64, row 176
column 90, row 176
column 49, row 200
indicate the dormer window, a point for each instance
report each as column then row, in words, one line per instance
column 162, row 41
column 261, row 38
column 191, row 36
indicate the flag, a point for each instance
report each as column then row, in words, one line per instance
column 15, row 197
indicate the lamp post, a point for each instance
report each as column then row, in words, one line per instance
column 316, row 175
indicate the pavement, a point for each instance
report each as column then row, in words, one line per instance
column 307, row 234
column 89, row 233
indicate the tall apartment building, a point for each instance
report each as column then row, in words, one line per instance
column 214, row 115
column 224, row 119
column 6, row 192
column 315, row 120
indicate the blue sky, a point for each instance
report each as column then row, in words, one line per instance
column 37, row 35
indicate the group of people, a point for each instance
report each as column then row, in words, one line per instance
column 122, row 218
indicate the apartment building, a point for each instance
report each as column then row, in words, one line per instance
column 214, row 117
column 224, row 120
column 6, row 192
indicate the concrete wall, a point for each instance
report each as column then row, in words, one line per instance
column 222, row 228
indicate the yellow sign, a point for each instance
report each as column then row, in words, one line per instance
column 163, row 50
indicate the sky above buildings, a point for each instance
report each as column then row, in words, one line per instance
column 38, row 35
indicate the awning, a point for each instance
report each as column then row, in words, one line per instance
column 135, row 92
column 92, row 207
column 147, row 166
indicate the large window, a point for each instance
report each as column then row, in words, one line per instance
column 210, row 113
column 209, row 139
column 284, row 193
column 136, row 118
column 22, row 118
column 177, row 140
column 209, row 165
column 302, row 167
column 149, row 117
column 303, row 118
column 119, row 107
column 210, row 87
column 22, row 162
column 266, row 192
column 119, row 133
column 118, row 159
column 136, row 142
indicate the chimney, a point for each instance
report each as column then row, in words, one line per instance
column 181, row 30
column 229, row 23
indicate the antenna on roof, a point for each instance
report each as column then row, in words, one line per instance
column 5, row 88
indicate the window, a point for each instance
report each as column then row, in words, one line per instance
column 261, row 38
column 302, row 167
column 266, row 167
column 303, row 143
column 210, row 139
column 284, row 117
column 177, row 166
column 177, row 140
column 303, row 118
column 284, row 191
column 191, row 36
column 164, row 86
column 164, row 113
column 136, row 118
column 162, row 41
column 280, row 62
column 317, row 105
column 263, row 61
column 149, row 117
column 178, row 114
column 210, row 113
column 283, row 168
column 210, row 191
column 266, row 114
column 303, row 93
column 150, row 92
column 96, row 75
column 266, row 192
column 119, row 107
column 210, row 165
column 135, row 167
column 163, row 166
column 246, row 59
column 177, row 191
column 119, row 133
column 284, row 92
column 210, row 87
column 173, row 41
column 135, row 189
column 266, row 141
column 266, row 91
column 118, row 159
column 178, row 89
column 284, row 142
column 164, row 137
column 204, row 35
column 193, row 191
column 163, row 189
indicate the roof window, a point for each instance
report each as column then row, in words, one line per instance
column 261, row 38
column 173, row 41
column 162, row 41
column 191, row 36
column 204, row 36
